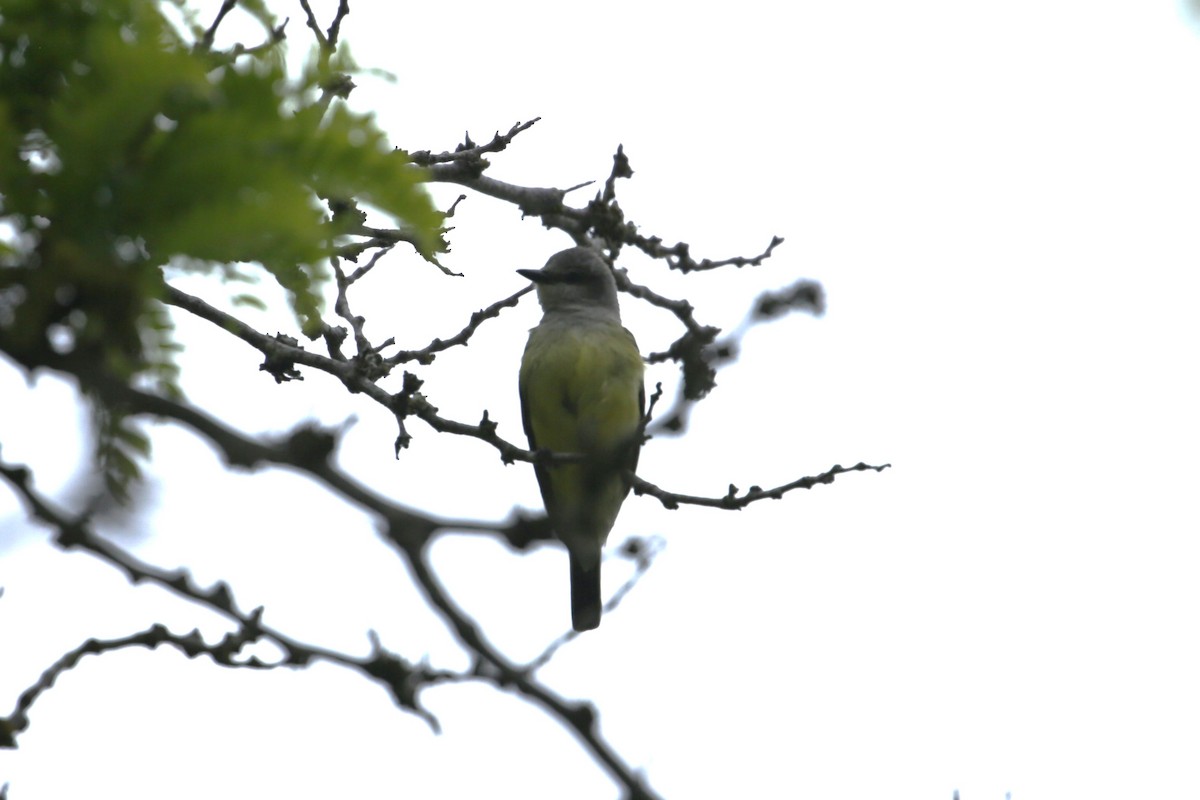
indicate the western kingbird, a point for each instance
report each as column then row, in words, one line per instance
column 582, row 394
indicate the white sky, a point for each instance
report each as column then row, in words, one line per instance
column 1000, row 201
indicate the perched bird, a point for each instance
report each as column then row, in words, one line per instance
column 582, row 395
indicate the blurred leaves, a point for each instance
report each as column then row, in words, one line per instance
column 123, row 146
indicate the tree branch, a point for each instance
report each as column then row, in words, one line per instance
column 732, row 500
column 578, row 717
column 401, row 677
column 469, row 152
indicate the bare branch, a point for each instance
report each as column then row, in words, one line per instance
column 311, row 21
column 679, row 256
column 603, row 215
column 620, row 169
column 335, row 27
column 206, row 42
column 579, row 717
column 426, row 355
column 191, row 645
column 385, row 238
column 732, row 500
column 402, row 678
column 803, row 295
column 533, row 201
column 359, row 374
column 469, row 152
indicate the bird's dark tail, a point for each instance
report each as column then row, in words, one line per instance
column 585, row 596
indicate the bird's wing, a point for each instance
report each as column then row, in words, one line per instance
column 543, row 478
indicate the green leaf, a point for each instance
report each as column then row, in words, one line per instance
column 249, row 301
column 124, row 148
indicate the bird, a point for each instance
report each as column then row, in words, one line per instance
column 582, row 396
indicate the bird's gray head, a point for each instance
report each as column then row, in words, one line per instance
column 575, row 280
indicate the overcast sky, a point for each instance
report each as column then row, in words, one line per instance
column 1001, row 203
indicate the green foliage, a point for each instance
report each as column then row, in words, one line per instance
column 118, row 446
column 122, row 146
